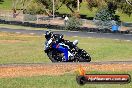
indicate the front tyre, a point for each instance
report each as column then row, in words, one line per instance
column 84, row 56
column 81, row 80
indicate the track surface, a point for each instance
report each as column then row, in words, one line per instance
column 72, row 33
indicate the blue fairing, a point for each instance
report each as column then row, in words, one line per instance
column 61, row 49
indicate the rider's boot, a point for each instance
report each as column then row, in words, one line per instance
column 70, row 56
column 63, row 57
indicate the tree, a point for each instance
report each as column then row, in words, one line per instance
column 104, row 19
column 21, row 4
column 1, row 1
column 113, row 5
column 96, row 3
column 122, row 6
column 34, row 8
column 48, row 5
column 71, row 4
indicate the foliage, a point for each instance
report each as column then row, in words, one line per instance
column 21, row 5
column 95, row 3
column 1, row 1
column 121, row 5
column 103, row 19
column 127, row 9
column 48, row 5
column 71, row 4
column 28, row 17
column 35, row 8
column 73, row 23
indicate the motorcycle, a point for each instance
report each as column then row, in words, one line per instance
column 79, row 55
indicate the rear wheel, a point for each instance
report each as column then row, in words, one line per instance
column 50, row 55
column 55, row 56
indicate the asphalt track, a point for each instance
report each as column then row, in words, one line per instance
column 127, row 37
column 115, row 36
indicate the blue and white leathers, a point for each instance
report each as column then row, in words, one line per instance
column 60, row 47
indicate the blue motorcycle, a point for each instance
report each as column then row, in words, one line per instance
column 65, row 51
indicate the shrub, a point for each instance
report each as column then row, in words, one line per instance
column 73, row 23
column 29, row 17
column 104, row 19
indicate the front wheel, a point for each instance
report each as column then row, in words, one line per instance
column 85, row 59
column 84, row 56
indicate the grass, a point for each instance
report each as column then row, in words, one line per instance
column 124, row 17
column 7, row 4
column 20, row 27
column 63, row 81
column 24, row 27
column 19, row 48
column 106, row 49
column 22, row 48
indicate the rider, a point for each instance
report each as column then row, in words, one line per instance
column 57, row 42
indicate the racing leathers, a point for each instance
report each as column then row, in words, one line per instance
column 57, row 42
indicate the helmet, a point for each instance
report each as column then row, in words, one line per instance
column 48, row 34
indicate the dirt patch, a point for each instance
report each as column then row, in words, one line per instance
column 56, row 69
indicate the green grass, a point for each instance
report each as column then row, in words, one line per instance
column 15, row 48
column 84, row 10
column 28, row 49
column 106, row 49
column 64, row 9
column 20, row 27
column 63, row 81
column 124, row 17
column 24, row 27
column 7, row 4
